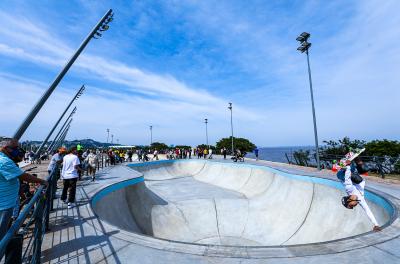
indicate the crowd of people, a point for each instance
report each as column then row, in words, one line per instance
column 18, row 186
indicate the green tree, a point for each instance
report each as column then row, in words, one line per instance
column 302, row 157
column 341, row 147
column 382, row 148
column 239, row 143
column 203, row 146
column 158, row 146
column 182, row 147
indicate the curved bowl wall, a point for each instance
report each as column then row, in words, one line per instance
column 242, row 205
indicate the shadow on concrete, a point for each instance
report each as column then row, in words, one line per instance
column 73, row 236
column 70, row 246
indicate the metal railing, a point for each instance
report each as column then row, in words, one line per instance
column 381, row 165
column 23, row 241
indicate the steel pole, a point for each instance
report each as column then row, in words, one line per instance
column 80, row 91
column 51, row 148
column 62, row 127
column 206, row 121
column 230, row 108
column 151, row 135
column 57, row 143
column 62, row 138
column 28, row 120
column 313, row 111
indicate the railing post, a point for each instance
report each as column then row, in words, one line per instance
column 48, row 202
column 14, row 250
column 53, row 182
column 38, row 231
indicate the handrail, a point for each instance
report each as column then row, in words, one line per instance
column 42, row 203
column 19, row 221
column 11, row 246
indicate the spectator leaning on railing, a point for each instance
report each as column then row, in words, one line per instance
column 10, row 174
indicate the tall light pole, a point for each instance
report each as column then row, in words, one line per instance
column 305, row 45
column 102, row 25
column 66, row 123
column 108, row 134
column 230, row 108
column 112, row 138
column 206, row 122
column 77, row 95
column 151, row 135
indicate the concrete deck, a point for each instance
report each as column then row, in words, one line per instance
column 79, row 236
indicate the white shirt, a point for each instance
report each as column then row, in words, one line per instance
column 68, row 170
column 358, row 190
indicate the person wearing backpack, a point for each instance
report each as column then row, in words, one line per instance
column 354, row 186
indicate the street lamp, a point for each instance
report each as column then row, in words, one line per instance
column 102, row 25
column 67, row 121
column 112, row 138
column 206, row 122
column 77, row 95
column 304, row 46
column 151, row 135
column 108, row 134
column 230, row 108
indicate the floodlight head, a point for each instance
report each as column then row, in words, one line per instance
column 300, row 39
column 303, row 37
column 304, row 47
column 104, row 27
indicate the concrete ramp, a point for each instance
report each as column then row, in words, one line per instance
column 225, row 204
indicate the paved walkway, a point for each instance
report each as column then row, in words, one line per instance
column 78, row 236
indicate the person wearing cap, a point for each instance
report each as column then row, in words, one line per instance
column 354, row 186
column 10, row 176
column 56, row 159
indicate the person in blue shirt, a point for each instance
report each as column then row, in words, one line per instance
column 10, row 175
column 256, row 153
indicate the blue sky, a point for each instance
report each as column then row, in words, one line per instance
column 171, row 64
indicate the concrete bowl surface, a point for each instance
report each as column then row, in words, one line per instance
column 239, row 210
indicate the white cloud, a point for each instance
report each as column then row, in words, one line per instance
column 354, row 71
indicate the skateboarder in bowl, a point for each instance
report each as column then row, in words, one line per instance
column 354, row 186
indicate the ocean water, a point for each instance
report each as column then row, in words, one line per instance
column 277, row 154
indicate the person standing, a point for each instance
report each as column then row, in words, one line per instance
column 56, row 159
column 256, row 153
column 69, row 174
column 224, row 152
column 92, row 161
column 205, row 153
column 10, row 176
column 210, row 152
column 130, row 153
column 155, row 154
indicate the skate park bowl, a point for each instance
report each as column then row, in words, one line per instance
column 206, row 203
